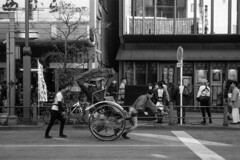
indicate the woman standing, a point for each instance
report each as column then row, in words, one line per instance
column 235, row 100
column 203, row 97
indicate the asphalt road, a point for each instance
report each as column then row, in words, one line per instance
column 147, row 143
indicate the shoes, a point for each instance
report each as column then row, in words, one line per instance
column 229, row 118
column 47, row 136
column 116, row 131
column 124, row 135
column 63, row 136
column 203, row 122
column 233, row 123
column 182, row 122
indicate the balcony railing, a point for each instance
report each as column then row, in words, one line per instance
column 148, row 25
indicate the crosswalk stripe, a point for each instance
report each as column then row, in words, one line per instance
column 198, row 148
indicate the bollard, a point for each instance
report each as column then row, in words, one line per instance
column 171, row 120
column 34, row 120
column 225, row 115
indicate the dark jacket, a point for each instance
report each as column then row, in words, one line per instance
column 176, row 97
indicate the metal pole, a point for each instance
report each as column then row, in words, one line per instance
column 229, row 16
column 212, row 16
column 175, row 17
column 195, row 18
column 26, row 68
column 12, row 63
column 181, row 92
column 238, row 17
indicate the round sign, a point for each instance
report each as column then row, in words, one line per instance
column 180, row 54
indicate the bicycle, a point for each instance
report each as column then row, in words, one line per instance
column 71, row 113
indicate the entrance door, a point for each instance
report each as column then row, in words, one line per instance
column 167, row 73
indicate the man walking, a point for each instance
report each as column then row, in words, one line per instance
column 56, row 113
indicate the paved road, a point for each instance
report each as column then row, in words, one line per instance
column 146, row 143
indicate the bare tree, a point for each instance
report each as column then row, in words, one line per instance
column 70, row 46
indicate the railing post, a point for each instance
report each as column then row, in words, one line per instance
column 171, row 120
column 225, row 115
column 34, row 120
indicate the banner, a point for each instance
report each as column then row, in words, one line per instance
column 43, row 10
column 42, row 87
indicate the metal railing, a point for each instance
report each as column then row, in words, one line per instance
column 171, row 113
column 160, row 26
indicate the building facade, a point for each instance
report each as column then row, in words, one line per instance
column 208, row 31
column 44, row 19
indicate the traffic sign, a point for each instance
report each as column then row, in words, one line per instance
column 180, row 54
column 179, row 65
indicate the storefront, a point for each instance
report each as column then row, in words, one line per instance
column 145, row 63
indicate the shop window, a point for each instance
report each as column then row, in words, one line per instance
column 140, row 73
column 129, row 73
column 152, row 72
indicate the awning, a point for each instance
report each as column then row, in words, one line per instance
column 170, row 55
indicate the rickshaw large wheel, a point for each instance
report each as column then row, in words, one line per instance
column 107, row 122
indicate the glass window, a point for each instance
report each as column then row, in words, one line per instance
column 167, row 21
column 129, row 73
column 140, row 73
column 152, row 72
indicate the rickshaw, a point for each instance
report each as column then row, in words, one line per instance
column 107, row 119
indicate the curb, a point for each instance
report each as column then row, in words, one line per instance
column 141, row 125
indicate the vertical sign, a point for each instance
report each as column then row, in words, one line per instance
column 42, row 87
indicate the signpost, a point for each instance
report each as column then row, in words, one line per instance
column 180, row 65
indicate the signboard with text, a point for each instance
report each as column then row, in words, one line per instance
column 41, row 10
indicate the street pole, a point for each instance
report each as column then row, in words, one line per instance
column 26, row 69
column 181, row 92
column 180, row 64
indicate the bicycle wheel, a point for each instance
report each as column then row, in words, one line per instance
column 107, row 122
column 47, row 116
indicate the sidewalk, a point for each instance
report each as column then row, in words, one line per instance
column 193, row 121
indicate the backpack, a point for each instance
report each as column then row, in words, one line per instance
column 186, row 91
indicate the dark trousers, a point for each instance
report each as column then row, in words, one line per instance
column 206, row 109
column 183, row 114
column 55, row 115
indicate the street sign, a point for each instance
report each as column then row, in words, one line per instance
column 180, row 54
column 179, row 65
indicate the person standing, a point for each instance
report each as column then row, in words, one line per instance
column 56, row 113
column 227, row 97
column 203, row 96
column 112, row 90
column 122, row 89
column 235, row 102
column 185, row 100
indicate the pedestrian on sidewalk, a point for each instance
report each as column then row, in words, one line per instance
column 57, row 112
column 235, row 103
column 185, row 101
column 203, row 97
column 227, row 97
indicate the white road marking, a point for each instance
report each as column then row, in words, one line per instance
column 173, row 138
column 197, row 147
column 159, row 156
